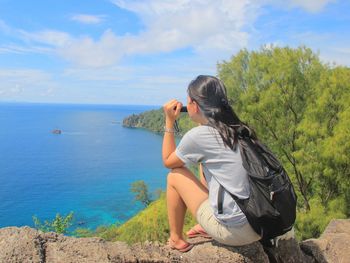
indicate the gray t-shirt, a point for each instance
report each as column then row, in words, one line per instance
column 203, row 144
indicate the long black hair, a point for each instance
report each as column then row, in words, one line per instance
column 210, row 94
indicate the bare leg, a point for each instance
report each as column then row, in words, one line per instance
column 198, row 228
column 176, row 213
column 184, row 191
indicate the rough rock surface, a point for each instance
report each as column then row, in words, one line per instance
column 29, row 245
column 25, row 244
column 287, row 250
column 333, row 245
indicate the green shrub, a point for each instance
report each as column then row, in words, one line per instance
column 150, row 224
column 59, row 224
column 311, row 224
column 83, row 232
column 140, row 189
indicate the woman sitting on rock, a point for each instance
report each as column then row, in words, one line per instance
column 213, row 145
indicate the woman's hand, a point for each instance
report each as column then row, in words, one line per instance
column 172, row 111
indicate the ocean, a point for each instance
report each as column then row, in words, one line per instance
column 87, row 169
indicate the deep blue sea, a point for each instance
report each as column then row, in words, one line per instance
column 87, row 169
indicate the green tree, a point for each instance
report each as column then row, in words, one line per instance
column 270, row 89
column 325, row 136
column 140, row 189
column 59, row 224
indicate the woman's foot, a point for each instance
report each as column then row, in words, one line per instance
column 180, row 245
column 197, row 231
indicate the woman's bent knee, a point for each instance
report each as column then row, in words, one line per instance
column 170, row 178
column 175, row 173
column 181, row 172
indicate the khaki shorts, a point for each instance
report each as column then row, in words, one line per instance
column 233, row 236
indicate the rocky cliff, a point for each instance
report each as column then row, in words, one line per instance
column 25, row 244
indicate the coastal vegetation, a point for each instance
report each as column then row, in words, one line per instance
column 154, row 121
column 151, row 120
column 59, row 224
column 140, row 189
column 300, row 108
column 151, row 224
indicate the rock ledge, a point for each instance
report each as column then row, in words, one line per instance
column 24, row 244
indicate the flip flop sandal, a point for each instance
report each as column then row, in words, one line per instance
column 197, row 233
column 184, row 248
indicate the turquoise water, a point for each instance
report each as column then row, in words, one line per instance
column 88, row 169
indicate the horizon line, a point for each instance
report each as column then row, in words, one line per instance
column 77, row 103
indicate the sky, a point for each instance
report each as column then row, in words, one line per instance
column 146, row 52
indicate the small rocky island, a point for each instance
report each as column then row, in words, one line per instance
column 56, row 131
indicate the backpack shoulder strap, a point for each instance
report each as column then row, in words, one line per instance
column 221, row 198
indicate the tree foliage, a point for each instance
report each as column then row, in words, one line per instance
column 59, row 224
column 295, row 103
column 153, row 120
column 140, row 189
column 325, row 135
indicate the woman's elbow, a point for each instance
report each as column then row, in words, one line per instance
column 172, row 165
column 166, row 163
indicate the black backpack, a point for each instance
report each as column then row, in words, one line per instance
column 271, row 206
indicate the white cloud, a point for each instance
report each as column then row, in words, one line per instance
column 336, row 54
column 47, row 37
column 201, row 25
column 343, row 50
column 206, row 27
column 16, row 89
column 114, row 73
column 29, row 75
column 332, row 48
column 84, row 51
column 16, row 83
column 313, row 6
column 4, row 27
column 88, row 19
column 45, row 41
column 212, row 29
column 16, row 49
